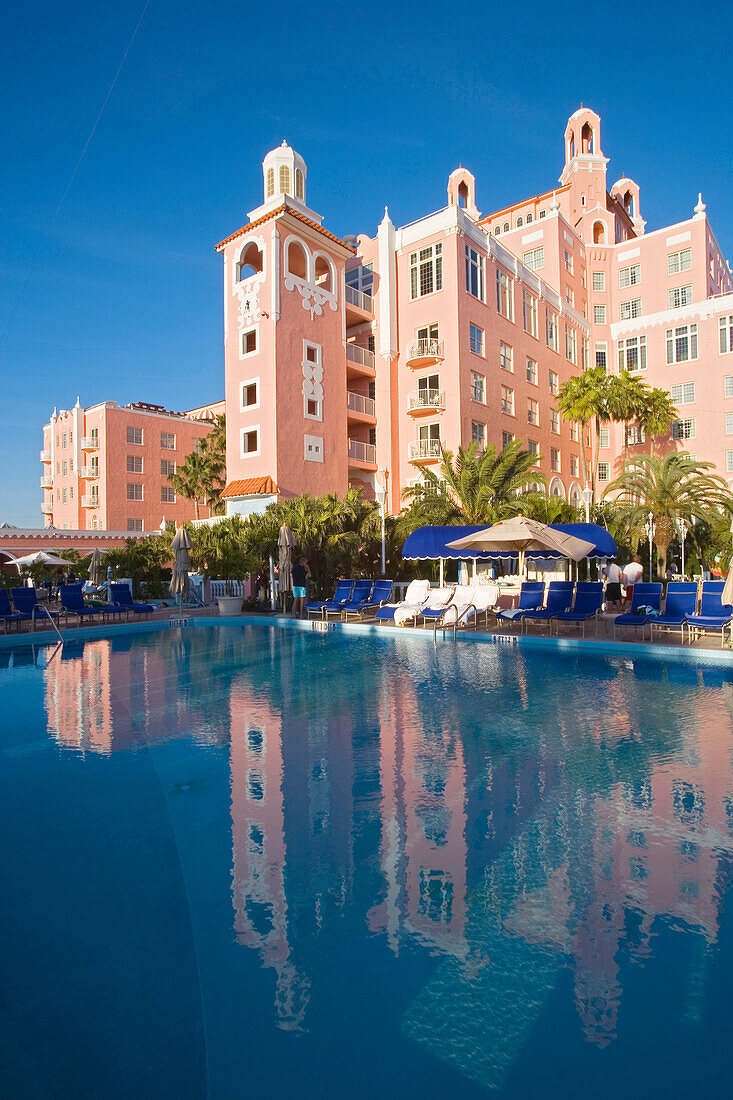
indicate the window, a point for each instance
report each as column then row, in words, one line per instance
column 478, row 434
column 506, row 439
column 632, row 353
column 520, row 221
column 728, row 385
column 729, row 462
column 478, row 387
column 574, row 465
column 134, row 464
column 507, row 400
column 571, row 344
column 506, row 227
column 599, row 315
column 601, row 355
column 426, row 271
column 604, row 437
column 250, row 261
column 361, row 278
column 94, row 523
column 603, row 471
column 729, row 423
column 167, row 495
column 530, row 219
column 95, row 437
column 476, row 336
column 599, row 280
column 475, row 269
column 634, row 435
column 134, row 491
column 629, row 276
column 531, row 313
column 270, row 183
column 555, row 460
column 574, row 431
column 249, row 394
column 63, row 440
column 631, row 309
column 533, row 448
column 681, row 343
column 135, row 435
column 726, row 334
column 533, row 411
column 679, row 261
column 249, row 342
column 71, row 438
column 505, row 295
column 569, row 262
column 167, row 441
column 570, row 296
column 680, row 296
column 534, row 259
column 532, row 372
column 312, row 408
column 249, row 441
column 63, row 496
column 683, row 394
column 284, row 179
column 584, row 353
column 314, row 448
column 64, row 467
column 506, row 356
column 299, row 187
column 683, row 429
column 58, row 469
column 134, row 525
column 554, row 421
column 542, row 213
column 552, row 331
column 71, row 465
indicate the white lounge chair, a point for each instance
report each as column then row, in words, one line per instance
column 415, row 599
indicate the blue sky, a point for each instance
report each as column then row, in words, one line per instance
column 117, row 295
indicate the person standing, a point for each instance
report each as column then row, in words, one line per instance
column 301, row 575
column 633, row 573
column 613, row 577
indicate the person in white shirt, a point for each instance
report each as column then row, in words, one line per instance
column 633, row 573
column 613, row 577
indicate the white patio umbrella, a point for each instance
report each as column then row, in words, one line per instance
column 521, row 534
column 180, row 546
column 285, row 544
column 42, row 557
column 96, row 575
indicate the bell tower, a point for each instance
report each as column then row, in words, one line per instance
column 584, row 173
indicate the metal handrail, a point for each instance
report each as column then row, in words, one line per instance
column 46, row 615
column 90, row 471
column 47, row 482
column 90, row 502
column 45, row 456
column 360, row 299
column 360, row 404
column 362, row 452
column 424, row 448
column 89, row 443
column 425, row 349
column 357, row 354
column 421, row 399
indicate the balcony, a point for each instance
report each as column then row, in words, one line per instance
column 90, row 472
column 424, row 353
column 90, row 502
column 360, row 408
column 420, row 402
column 359, row 361
column 359, row 299
column 424, row 450
column 47, row 483
column 90, row 443
column 47, row 507
column 363, row 455
column 45, row 456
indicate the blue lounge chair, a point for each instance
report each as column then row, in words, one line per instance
column 438, row 600
column 588, row 601
column 72, row 603
column 340, row 596
column 559, row 597
column 681, row 602
column 416, row 597
column 358, row 598
column 380, row 593
column 122, row 599
column 7, row 615
column 26, row 601
column 644, row 595
column 714, row 615
column 531, row 596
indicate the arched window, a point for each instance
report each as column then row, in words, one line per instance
column 284, row 179
column 270, row 189
column 599, row 233
column 529, row 219
column 520, row 221
column 297, row 262
column 629, row 204
column 497, row 230
column 299, row 189
column 250, row 261
column 323, row 273
column 94, row 523
column 506, row 227
column 572, row 145
column 587, row 138
column 463, row 194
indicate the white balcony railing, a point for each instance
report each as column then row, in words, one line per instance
column 90, row 443
column 45, row 456
column 47, row 508
column 358, row 298
column 90, row 472
column 425, row 351
column 423, row 448
column 363, row 356
column 358, row 404
column 90, row 502
column 47, row 483
column 362, row 452
column 425, row 399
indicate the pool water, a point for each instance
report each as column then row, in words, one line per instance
column 246, row 861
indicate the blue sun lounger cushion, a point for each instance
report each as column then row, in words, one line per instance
column 681, row 601
column 122, row 598
column 588, row 601
column 559, row 598
column 645, row 602
column 714, row 614
column 339, row 598
column 531, row 595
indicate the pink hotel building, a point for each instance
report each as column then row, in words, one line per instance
column 347, row 362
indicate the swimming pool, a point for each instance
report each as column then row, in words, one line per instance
column 246, row 861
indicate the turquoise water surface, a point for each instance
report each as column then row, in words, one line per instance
column 243, row 861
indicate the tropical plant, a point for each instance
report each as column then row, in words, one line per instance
column 202, row 475
column 146, row 561
column 224, row 550
column 657, row 415
column 548, row 509
column 471, row 487
column 584, row 398
column 671, row 488
column 626, row 400
column 189, row 479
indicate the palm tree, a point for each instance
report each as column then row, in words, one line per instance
column 627, row 399
column 671, row 488
column 583, row 398
column 658, row 414
column 190, row 479
column 472, row 487
column 213, row 449
column 548, row 509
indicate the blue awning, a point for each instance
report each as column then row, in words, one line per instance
column 429, row 543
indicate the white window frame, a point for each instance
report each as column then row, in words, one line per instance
column 245, row 431
column 430, row 257
column 134, row 458
column 729, row 462
column 133, row 486
column 318, row 414
column 599, row 280
column 531, row 311
column 728, row 385
column 571, row 344
column 635, row 344
column 688, row 333
column 504, row 293
column 629, row 276
column 684, row 429
column 242, row 388
column 729, row 423
column 533, row 410
column 604, row 470
column 134, row 442
column 725, row 330
column 475, row 268
column 242, row 336
column 506, row 357
column 604, row 439
column 477, row 424
column 554, row 422
column 475, row 376
column 134, row 524
column 553, row 382
column 166, row 446
column 507, row 399
column 533, row 374
column 683, row 393
column 167, row 462
column 599, row 313
column 535, row 258
column 679, row 296
column 167, row 489
column 602, row 349
column 679, row 261
column 631, row 309
column 471, row 330
column 552, row 325
column 555, row 460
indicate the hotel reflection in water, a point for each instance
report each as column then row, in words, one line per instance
column 422, row 829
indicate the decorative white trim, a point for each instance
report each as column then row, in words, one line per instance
column 242, row 433
column 629, row 255
column 314, row 445
column 314, row 297
column 697, row 311
column 242, row 387
column 537, row 236
column 244, row 332
column 678, row 238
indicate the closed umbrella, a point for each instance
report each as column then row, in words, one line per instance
column 525, row 535
column 180, row 546
column 285, row 544
column 727, row 596
column 96, row 575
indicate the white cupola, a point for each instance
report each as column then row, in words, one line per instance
column 284, row 173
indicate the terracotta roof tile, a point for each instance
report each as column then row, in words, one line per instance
column 283, row 208
column 250, row 486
